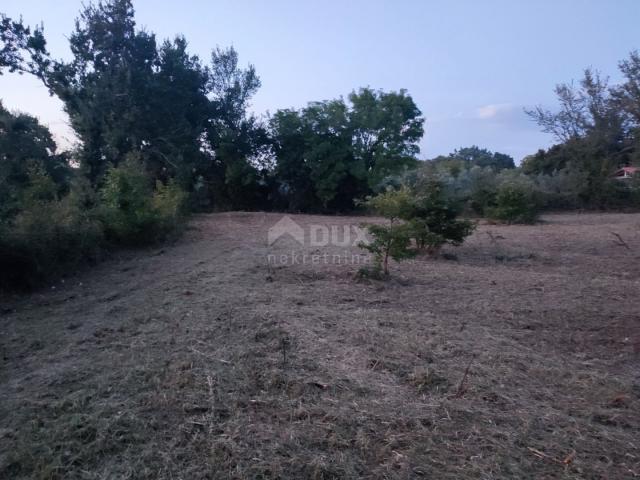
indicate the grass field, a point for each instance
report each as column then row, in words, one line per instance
column 516, row 356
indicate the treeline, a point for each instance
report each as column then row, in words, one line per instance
column 597, row 129
column 129, row 95
column 162, row 133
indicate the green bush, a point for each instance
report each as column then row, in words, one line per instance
column 433, row 222
column 523, row 195
column 389, row 241
column 46, row 238
column 514, row 204
column 392, row 240
column 416, row 223
column 132, row 212
column 169, row 201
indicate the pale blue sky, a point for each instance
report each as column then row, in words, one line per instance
column 471, row 66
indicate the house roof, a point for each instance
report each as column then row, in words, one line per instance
column 626, row 171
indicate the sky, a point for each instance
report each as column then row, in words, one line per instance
column 472, row 67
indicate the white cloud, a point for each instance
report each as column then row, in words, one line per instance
column 493, row 110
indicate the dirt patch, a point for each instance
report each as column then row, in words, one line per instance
column 514, row 356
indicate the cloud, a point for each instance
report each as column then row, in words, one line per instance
column 494, row 111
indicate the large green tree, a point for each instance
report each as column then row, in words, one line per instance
column 331, row 152
column 386, row 128
column 125, row 94
column 236, row 139
column 121, row 91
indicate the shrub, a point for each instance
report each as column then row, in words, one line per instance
column 392, row 240
column 514, row 204
column 392, row 204
column 389, row 241
column 432, row 220
column 132, row 212
column 562, row 189
column 416, row 223
column 47, row 237
column 169, row 201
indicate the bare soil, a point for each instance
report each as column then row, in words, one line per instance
column 516, row 356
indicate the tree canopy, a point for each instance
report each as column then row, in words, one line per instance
column 332, row 152
column 26, row 147
column 125, row 93
column 474, row 156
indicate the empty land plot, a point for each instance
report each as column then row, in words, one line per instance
column 518, row 356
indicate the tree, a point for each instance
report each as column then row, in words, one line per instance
column 627, row 94
column 125, row 94
column 104, row 88
column 468, row 157
column 393, row 239
column 289, row 135
column 178, row 115
column 627, row 99
column 386, row 128
column 545, row 162
column 501, row 161
column 314, row 158
column 338, row 177
column 25, row 146
column 433, row 222
column 593, row 133
column 331, row 152
column 236, row 139
column 416, row 222
column 17, row 39
column 583, row 109
column 587, row 114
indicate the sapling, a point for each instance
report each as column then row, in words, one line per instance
column 415, row 223
column 393, row 239
column 433, row 222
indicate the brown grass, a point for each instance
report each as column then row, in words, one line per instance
column 518, row 357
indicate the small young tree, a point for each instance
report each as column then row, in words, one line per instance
column 392, row 240
column 432, row 220
column 416, row 223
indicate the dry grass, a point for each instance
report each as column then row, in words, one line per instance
column 516, row 358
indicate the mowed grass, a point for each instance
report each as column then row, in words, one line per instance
column 516, row 356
